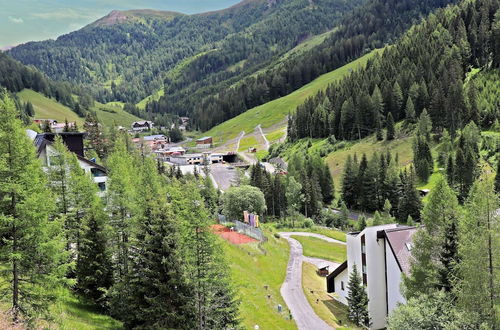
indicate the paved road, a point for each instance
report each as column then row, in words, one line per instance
column 292, row 291
column 223, row 175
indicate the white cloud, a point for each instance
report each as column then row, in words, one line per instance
column 16, row 20
column 65, row 13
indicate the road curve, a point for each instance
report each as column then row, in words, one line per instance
column 292, row 291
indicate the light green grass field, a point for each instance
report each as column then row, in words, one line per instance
column 251, row 270
column 274, row 112
column 248, row 142
column 46, row 108
column 318, row 248
column 336, row 160
column 109, row 114
column 335, row 234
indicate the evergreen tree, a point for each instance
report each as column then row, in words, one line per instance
column 479, row 248
column 390, row 128
column 357, row 299
column 94, row 274
column 30, row 111
column 30, row 252
column 158, row 291
column 448, row 258
column 95, row 135
column 410, row 111
column 294, row 197
column 497, row 177
column 361, row 223
column 437, row 215
column 349, row 182
column 215, row 306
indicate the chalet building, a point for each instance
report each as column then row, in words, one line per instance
column 141, row 126
column 204, row 142
column 382, row 254
column 55, row 126
column 74, row 143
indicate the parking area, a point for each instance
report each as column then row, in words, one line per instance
column 224, row 175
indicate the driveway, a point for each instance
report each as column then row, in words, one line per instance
column 292, row 291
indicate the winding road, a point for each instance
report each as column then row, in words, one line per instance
column 292, row 291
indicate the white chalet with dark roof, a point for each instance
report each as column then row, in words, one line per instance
column 382, row 254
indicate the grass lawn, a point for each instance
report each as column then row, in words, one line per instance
column 332, row 233
column 251, row 270
column 248, row 142
column 47, row 108
column 274, row 112
column 109, row 114
column 275, row 135
column 71, row 313
column 318, row 248
column 331, row 311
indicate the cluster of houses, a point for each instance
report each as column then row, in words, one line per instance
column 54, row 125
column 382, row 254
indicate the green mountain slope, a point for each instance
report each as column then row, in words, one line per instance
column 130, row 53
column 275, row 112
column 48, row 108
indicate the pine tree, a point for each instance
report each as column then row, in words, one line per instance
column 361, row 223
column 95, row 135
column 349, row 182
column 410, row 111
column 94, row 274
column 390, row 128
column 157, row 288
column 357, row 299
column 448, row 257
column 31, row 248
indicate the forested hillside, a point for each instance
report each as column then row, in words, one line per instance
column 130, row 55
column 371, row 25
column 426, row 69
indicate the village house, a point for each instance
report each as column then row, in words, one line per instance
column 74, row 143
column 382, row 254
column 141, row 126
column 204, row 142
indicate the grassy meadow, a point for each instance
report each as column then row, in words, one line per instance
column 318, row 248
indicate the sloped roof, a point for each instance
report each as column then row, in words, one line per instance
column 401, row 242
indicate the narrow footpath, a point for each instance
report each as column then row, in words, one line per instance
column 292, row 291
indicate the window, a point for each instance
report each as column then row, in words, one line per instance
column 363, row 247
column 364, row 269
column 342, row 285
column 102, row 186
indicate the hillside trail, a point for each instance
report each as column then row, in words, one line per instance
column 292, row 291
column 266, row 142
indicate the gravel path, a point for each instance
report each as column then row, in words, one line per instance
column 292, row 291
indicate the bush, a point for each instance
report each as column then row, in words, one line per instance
column 307, row 223
column 277, row 235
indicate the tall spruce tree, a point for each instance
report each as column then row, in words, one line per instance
column 349, row 182
column 31, row 250
column 357, row 299
column 157, row 287
column 391, row 130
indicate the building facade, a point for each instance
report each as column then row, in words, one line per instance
column 382, row 254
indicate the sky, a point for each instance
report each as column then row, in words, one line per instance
column 32, row 20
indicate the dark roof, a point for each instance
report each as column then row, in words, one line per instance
column 400, row 241
column 41, row 143
column 330, row 279
column 204, row 138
